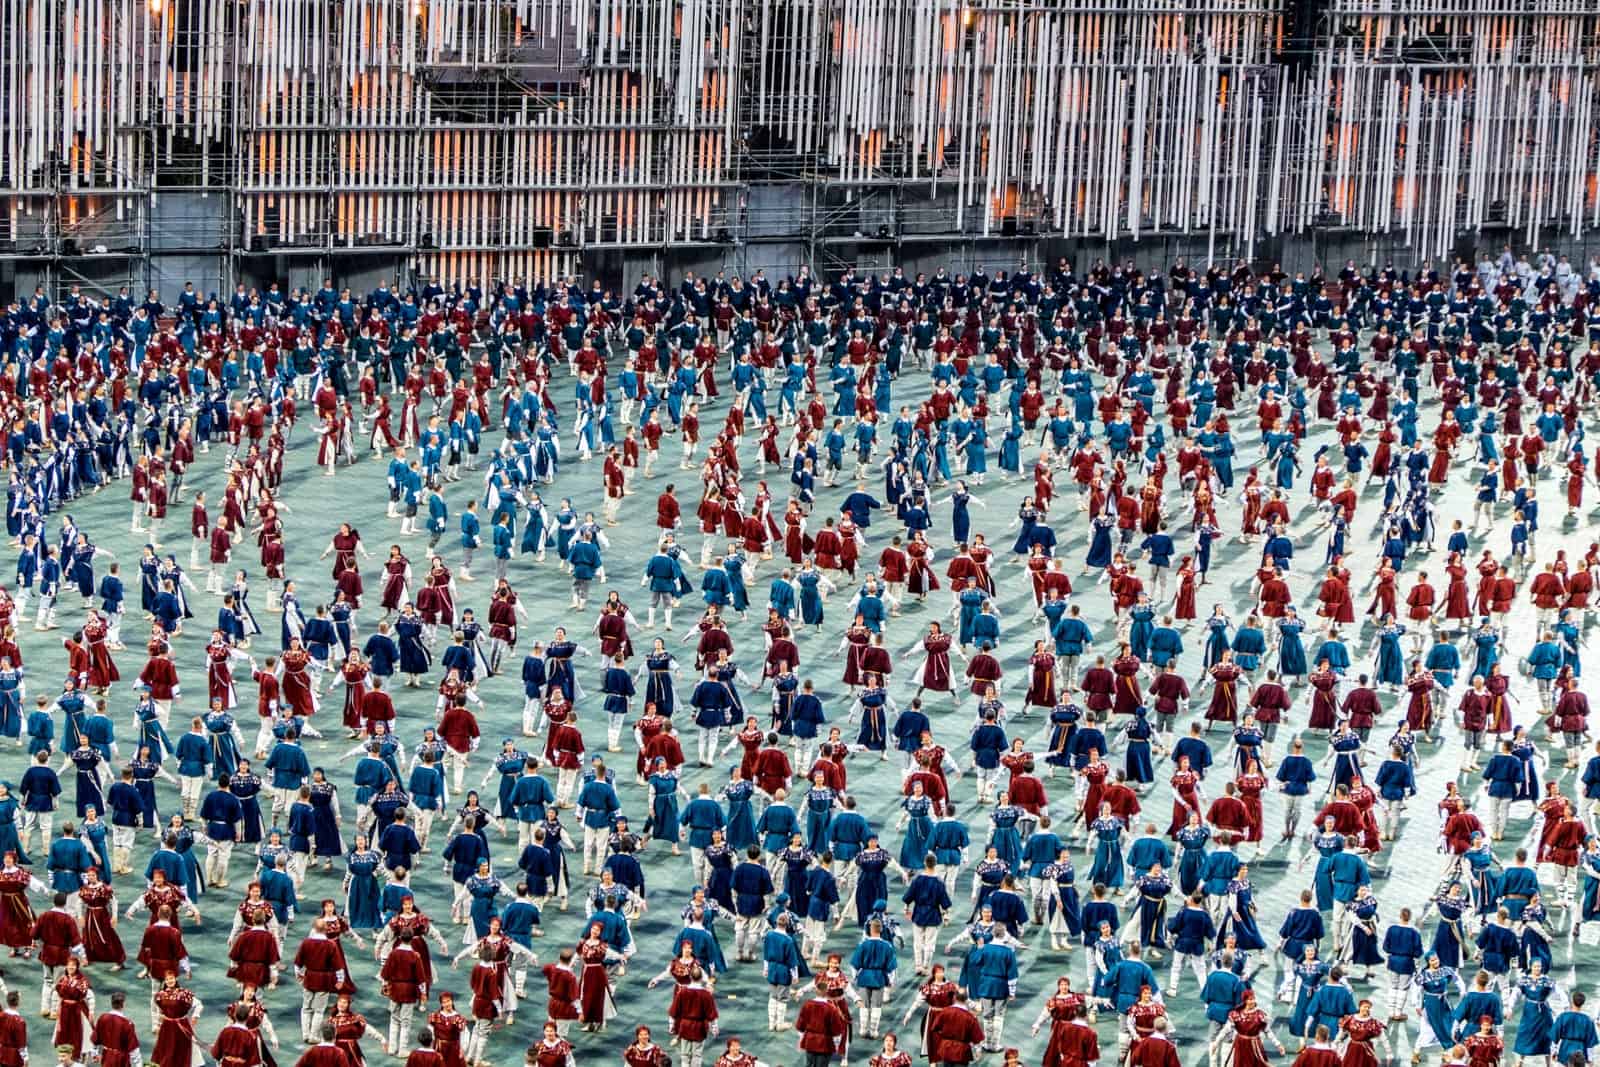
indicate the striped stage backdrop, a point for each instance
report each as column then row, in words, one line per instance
column 512, row 134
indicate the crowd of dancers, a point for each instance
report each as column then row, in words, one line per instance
column 824, row 443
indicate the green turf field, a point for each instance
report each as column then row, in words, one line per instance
column 1405, row 874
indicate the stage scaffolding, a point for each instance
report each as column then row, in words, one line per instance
column 470, row 139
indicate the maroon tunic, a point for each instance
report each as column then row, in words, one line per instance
column 117, row 1038
column 1224, row 694
column 100, row 941
column 175, row 1035
column 936, row 673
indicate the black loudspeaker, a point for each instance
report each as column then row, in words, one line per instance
column 1300, row 33
column 1008, row 226
column 271, row 222
column 542, row 236
column 70, row 247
